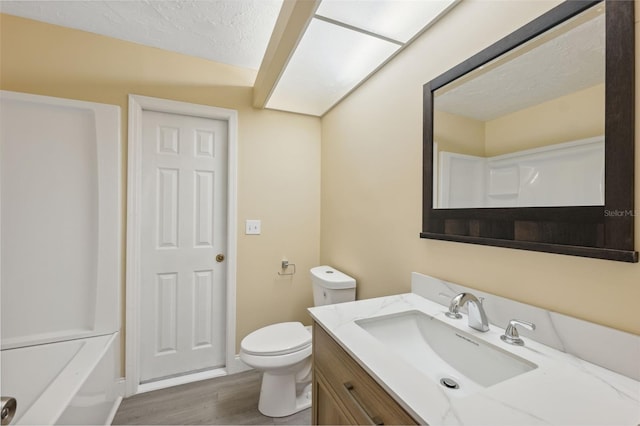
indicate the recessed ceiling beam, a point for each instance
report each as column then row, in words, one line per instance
column 291, row 24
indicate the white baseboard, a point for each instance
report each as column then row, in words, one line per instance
column 237, row 366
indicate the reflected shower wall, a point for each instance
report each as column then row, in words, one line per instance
column 566, row 174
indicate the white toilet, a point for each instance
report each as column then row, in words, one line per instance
column 283, row 351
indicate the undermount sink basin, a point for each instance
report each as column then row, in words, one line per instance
column 445, row 353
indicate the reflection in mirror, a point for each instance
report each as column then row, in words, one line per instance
column 526, row 129
column 536, row 149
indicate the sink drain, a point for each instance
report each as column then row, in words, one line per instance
column 449, row 383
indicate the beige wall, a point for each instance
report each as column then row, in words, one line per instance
column 578, row 115
column 456, row 133
column 575, row 116
column 372, row 189
column 279, row 153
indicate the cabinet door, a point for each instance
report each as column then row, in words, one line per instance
column 361, row 397
column 326, row 410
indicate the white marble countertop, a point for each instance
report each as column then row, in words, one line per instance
column 563, row 390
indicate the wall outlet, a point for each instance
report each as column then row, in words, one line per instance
column 253, row 227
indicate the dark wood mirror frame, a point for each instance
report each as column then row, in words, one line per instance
column 605, row 232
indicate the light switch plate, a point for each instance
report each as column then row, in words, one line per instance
column 253, row 227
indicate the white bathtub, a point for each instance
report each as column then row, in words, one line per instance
column 72, row 382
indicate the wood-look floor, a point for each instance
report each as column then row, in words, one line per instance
column 229, row 400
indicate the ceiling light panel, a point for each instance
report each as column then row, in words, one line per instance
column 395, row 19
column 329, row 61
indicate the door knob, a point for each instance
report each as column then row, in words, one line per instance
column 220, row 258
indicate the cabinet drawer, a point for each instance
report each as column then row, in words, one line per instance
column 363, row 397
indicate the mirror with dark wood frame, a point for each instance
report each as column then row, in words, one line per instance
column 603, row 228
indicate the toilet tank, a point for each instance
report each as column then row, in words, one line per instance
column 331, row 286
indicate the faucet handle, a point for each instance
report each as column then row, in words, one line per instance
column 511, row 335
column 453, row 313
column 454, row 306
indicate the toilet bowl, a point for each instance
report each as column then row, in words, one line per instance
column 282, row 351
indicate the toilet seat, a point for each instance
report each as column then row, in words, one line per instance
column 277, row 339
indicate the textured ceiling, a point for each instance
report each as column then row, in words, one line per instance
column 571, row 61
column 234, row 32
column 237, row 32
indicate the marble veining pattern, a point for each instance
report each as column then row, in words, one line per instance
column 565, row 389
column 613, row 349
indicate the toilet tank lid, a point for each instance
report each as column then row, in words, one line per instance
column 331, row 278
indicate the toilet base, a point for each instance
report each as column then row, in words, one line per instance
column 281, row 396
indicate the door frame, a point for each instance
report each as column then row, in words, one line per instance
column 138, row 104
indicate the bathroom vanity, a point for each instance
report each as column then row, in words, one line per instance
column 400, row 360
column 344, row 393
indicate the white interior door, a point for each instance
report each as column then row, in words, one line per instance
column 184, row 229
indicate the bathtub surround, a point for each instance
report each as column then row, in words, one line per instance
column 61, row 252
column 60, row 186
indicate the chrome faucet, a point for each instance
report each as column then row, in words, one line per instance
column 477, row 317
column 511, row 335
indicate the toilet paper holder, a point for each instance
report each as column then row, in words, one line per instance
column 285, row 265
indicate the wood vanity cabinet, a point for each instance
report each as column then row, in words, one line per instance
column 344, row 393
